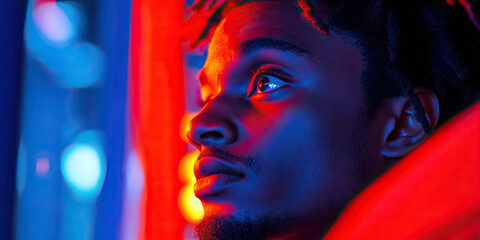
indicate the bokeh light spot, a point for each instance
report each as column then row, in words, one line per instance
column 42, row 166
column 53, row 22
column 83, row 170
column 185, row 168
column 190, row 206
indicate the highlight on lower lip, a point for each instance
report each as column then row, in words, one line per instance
column 214, row 183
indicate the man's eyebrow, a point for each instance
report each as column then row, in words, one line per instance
column 253, row 45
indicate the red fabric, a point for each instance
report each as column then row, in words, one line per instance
column 433, row 193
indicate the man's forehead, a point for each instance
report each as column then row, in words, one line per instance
column 264, row 24
column 262, row 18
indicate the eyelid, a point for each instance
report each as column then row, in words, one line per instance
column 273, row 72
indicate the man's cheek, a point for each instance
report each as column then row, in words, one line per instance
column 261, row 127
column 276, row 102
column 290, row 132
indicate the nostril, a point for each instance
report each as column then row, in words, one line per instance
column 211, row 135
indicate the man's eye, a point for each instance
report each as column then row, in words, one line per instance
column 268, row 83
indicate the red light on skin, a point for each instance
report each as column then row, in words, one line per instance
column 216, row 209
column 432, row 193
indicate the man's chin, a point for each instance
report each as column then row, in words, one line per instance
column 232, row 227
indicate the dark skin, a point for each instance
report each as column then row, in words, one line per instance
column 289, row 98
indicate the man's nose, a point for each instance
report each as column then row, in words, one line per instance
column 213, row 126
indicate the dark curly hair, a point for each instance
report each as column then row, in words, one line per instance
column 405, row 44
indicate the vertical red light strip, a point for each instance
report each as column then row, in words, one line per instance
column 157, row 106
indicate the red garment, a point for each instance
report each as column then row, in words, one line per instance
column 433, row 193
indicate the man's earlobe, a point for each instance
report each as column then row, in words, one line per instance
column 404, row 131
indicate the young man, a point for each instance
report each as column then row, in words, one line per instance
column 307, row 102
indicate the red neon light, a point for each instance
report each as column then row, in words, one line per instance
column 157, row 106
column 433, row 193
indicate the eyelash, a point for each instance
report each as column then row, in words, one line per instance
column 258, row 76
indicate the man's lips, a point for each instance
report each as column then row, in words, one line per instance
column 214, row 175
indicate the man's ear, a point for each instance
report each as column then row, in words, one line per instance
column 404, row 131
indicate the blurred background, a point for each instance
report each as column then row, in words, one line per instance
column 94, row 97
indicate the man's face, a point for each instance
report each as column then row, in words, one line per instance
column 281, row 131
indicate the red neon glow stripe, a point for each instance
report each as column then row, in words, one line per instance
column 157, row 106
